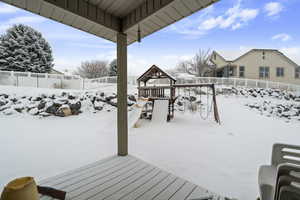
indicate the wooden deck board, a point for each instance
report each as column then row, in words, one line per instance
column 124, row 178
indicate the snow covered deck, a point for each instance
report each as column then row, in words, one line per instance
column 125, row 178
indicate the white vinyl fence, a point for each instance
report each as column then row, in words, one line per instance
column 42, row 80
column 235, row 82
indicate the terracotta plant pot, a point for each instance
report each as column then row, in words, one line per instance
column 20, row 189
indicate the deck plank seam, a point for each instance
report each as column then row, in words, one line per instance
column 153, row 186
column 195, row 187
column 165, row 188
column 159, row 172
column 86, row 172
column 177, row 190
column 119, row 181
column 44, row 181
column 106, row 181
column 138, row 178
column 118, row 166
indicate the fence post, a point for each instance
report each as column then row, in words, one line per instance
column 37, row 80
column 83, row 83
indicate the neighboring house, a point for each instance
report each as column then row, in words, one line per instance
column 265, row 64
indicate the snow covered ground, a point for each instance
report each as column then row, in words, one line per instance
column 222, row 158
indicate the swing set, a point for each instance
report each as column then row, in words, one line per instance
column 167, row 91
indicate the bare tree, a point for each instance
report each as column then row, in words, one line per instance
column 200, row 63
column 93, row 69
column 182, row 66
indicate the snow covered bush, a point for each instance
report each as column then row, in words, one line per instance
column 24, row 49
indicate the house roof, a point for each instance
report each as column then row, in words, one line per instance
column 105, row 18
column 259, row 50
column 151, row 73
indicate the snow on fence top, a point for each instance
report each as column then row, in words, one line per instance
column 45, row 80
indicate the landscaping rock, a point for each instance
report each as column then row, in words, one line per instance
column 64, row 111
column 41, row 105
column 44, row 114
column 34, row 111
column 132, row 98
column 52, row 109
column 2, row 103
column 192, row 98
column 75, row 107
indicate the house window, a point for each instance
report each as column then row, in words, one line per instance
column 280, row 72
column 242, row 71
column 264, row 72
column 297, row 72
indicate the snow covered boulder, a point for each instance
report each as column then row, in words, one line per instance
column 9, row 111
column 41, row 105
column 109, row 98
column 34, row 111
column 2, row 103
column 98, row 105
column 75, row 107
column 132, row 98
column 192, row 99
column 64, row 111
column 52, row 108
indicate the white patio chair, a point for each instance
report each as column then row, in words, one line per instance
column 288, row 175
column 289, row 193
column 282, row 153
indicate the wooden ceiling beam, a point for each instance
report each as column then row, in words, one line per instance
column 90, row 12
column 148, row 8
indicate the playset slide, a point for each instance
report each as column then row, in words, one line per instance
column 160, row 111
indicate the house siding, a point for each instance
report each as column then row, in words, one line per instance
column 272, row 59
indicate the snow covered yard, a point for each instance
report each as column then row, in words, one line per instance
column 222, row 158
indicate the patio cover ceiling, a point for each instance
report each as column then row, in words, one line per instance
column 105, row 18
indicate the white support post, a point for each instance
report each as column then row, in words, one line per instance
column 122, row 94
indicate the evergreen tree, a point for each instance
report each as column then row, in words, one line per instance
column 24, row 49
column 112, row 71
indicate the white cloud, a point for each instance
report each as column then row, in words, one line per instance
column 20, row 20
column 7, row 9
column 273, row 8
column 188, row 26
column 282, row 36
column 234, row 18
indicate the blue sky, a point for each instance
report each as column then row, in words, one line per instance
column 230, row 26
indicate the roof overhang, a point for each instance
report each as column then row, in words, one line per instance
column 152, row 72
column 105, row 18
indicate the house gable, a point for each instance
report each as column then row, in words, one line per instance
column 218, row 60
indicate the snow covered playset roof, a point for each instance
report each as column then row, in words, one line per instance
column 154, row 72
